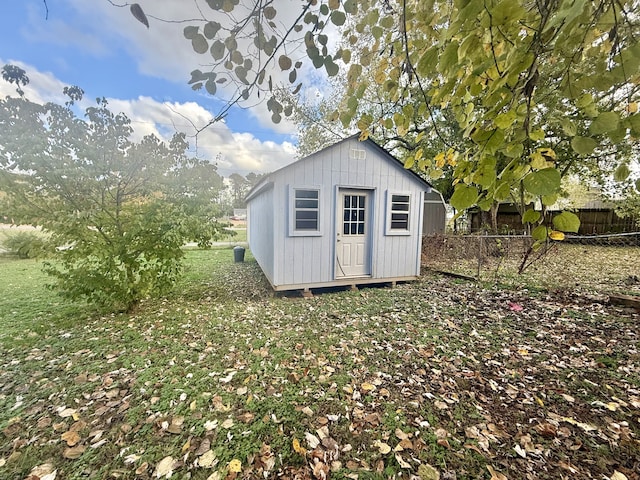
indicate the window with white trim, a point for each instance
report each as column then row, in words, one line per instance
column 304, row 211
column 398, row 213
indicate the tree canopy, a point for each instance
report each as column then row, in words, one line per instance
column 537, row 88
column 118, row 209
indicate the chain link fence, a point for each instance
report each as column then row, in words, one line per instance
column 593, row 264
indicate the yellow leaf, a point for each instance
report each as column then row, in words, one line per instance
column 235, row 466
column 440, row 160
column 548, row 153
column 72, row 438
column 427, row 472
column 186, row 446
column 632, row 108
column 367, row 387
column 299, row 449
column 555, row 235
column 382, row 447
column 539, row 401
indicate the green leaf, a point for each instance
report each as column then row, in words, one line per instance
column 638, row 185
column 211, row 29
column 139, row 15
column 621, row 173
column 531, row 216
column 537, row 135
column 542, row 182
column 269, row 12
column 505, row 12
column 506, row 119
column 464, row 197
column 338, row 18
column 485, row 173
column 583, row 145
column 427, row 62
column 436, row 173
column 200, row 44
column 409, row 162
column 449, row 57
column 569, row 127
column 331, row 68
column 284, row 62
column 634, row 122
column 502, row 191
column 605, row 122
column 190, row 32
column 514, row 150
column 210, row 85
column 540, row 233
column 217, row 50
column 549, row 200
column 566, row 222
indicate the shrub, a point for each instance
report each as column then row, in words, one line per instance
column 25, row 244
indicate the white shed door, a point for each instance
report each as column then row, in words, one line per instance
column 353, row 238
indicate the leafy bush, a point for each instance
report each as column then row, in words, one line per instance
column 118, row 208
column 25, row 244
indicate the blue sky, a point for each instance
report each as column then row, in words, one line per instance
column 143, row 72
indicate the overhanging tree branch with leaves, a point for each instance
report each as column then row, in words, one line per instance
column 537, row 88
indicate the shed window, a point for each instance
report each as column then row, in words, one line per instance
column 305, row 211
column 398, row 213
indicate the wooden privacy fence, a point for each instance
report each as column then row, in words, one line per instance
column 594, row 263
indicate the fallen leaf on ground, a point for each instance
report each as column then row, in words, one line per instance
column 71, row 437
column 495, row 475
column 402, row 462
column 208, row 459
column 228, row 423
column 515, row 307
column 67, row 412
column 164, row 468
column 382, row 447
column 75, row 452
column 619, row 476
column 235, row 466
column 427, row 472
column 312, row 440
column 46, row 470
column 299, row 449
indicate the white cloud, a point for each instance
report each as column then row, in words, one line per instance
column 162, row 50
column 234, row 152
column 43, row 86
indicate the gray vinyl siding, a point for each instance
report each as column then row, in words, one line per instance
column 260, row 230
column 301, row 261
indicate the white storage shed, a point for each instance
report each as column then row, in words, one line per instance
column 350, row 214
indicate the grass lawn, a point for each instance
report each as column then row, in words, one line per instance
column 224, row 379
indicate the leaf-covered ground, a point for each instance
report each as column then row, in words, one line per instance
column 440, row 378
column 588, row 269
